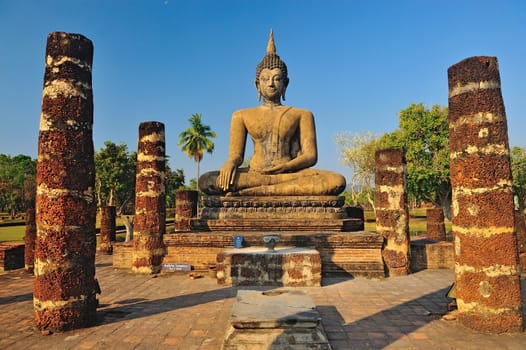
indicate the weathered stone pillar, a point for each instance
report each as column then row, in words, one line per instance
column 65, row 285
column 185, row 209
column 487, row 278
column 29, row 240
column 107, row 229
column 436, row 229
column 150, row 201
column 392, row 214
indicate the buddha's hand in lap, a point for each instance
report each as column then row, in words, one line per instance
column 275, row 169
column 226, row 177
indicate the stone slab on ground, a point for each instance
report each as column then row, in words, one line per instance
column 278, row 319
column 274, row 309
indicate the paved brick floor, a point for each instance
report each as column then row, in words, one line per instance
column 172, row 311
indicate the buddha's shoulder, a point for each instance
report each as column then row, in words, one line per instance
column 261, row 109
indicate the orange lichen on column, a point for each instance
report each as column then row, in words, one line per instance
column 29, row 240
column 150, row 199
column 392, row 215
column 436, row 229
column 487, row 276
column 107, row 229
column 65, row 286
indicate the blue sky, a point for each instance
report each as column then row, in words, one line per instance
column 355, row 64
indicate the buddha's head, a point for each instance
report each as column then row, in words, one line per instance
column 272, row 65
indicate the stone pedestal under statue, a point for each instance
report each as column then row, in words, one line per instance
column 279, row 213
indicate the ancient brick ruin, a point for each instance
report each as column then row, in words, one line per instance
column 185, row 209
column 436, row 229
column 487, row 278
column 392, row 214
column 65, row 285
column 29, row 240
column 107, row 229
column 150, row 199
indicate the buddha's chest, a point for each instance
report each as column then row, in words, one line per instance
column 266, row 126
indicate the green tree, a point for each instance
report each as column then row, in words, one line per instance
column 423, row 135
column 115, row 175
column 357, row 152
column 174, row 181
column 518, row 169
column 17, row 183
column 196, row 139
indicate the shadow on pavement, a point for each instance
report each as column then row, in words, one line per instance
column 387, row 326
column 137, row 308
column 15, row 298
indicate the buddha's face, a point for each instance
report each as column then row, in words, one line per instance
column 272, row 83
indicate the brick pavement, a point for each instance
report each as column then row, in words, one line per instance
column 172, row 311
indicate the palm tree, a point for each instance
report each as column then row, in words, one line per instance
column 196, row 140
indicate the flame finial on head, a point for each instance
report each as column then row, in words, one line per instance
column 271, row 47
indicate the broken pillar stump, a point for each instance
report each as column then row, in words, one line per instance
column 185, row 209
column 436, row 229
column 108, row 227
column 392, row 214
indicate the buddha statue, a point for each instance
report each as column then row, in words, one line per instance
column 284, row 140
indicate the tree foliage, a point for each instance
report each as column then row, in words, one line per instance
column 196, row 140
column 174, row 181
column 518, row 169
column 357, row 152
column 17, row 183
column 115, row 175
column 423, row 135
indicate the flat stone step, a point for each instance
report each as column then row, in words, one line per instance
column 277, row 319
column 274, row 309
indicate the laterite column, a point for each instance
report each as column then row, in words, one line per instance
column 392, row 215
column 487, row 277
column 185, row 209
column 29, row 240
column 107, row 229
column 436, row 229
column 150, row 199
column 65, row 285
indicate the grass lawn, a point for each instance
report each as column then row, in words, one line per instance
column 12, row 233
column 417, row 222
column 417, row 226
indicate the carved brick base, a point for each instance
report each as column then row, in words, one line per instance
column 286, row 266
column 285, row 213
column 356, row 254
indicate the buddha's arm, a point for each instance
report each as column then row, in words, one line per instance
column 236, row 151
